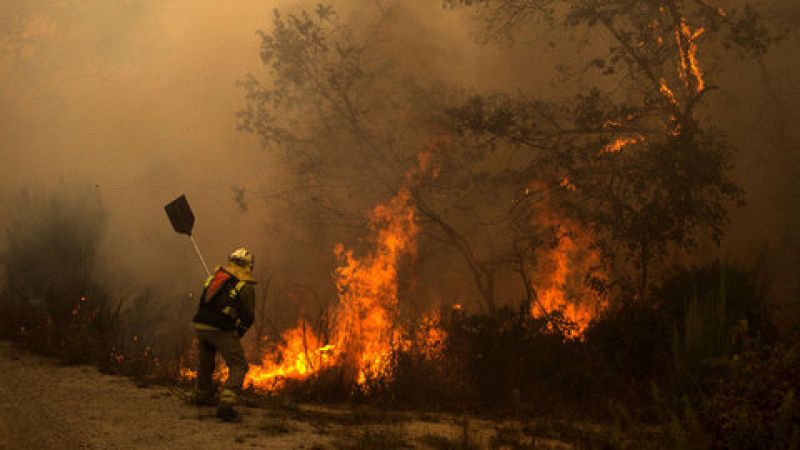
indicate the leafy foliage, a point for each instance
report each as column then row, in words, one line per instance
column 707, row 308
column 638, row 165
column 350, row 124
column 755, row 404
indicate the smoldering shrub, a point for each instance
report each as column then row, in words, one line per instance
column 52, row 300
column 149, row 347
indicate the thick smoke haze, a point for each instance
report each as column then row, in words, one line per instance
column 139, row 98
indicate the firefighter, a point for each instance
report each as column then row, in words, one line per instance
column 224, row 314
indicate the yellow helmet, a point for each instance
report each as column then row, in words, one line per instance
column 242, row 257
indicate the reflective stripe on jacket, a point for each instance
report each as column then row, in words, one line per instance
column 226, row 303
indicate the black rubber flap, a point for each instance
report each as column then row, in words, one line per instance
column 180, row 214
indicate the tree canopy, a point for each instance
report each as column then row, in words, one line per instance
column 632, row 163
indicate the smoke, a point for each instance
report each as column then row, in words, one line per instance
column 139, row 99
column 757, row 104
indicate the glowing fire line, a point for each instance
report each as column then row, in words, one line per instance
column 363, row 332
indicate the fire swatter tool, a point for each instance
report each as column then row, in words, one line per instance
column 182, row 219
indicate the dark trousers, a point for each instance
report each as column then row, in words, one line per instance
column 227, row 343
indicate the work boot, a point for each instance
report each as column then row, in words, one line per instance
column 202, row 398
column 227, row 413
column 225, row 410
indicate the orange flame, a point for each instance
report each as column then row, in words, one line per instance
column 363, row 332
column 430, row 337
column 688, row 54
column 560, row 273
column 618, row 144
column 667, row 92
column 298, row 356
column 567, row 184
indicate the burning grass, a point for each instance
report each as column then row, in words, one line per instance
column 363, row 334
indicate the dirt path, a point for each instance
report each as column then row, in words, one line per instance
column 44, row 405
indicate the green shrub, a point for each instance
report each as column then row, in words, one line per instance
column 430, row 383
column 707, row 306
column 754, row 403
column 631, row 344
column 510, row 359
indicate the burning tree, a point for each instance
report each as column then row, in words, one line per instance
column 637, row 158
column 348, row 122
column 579, row 197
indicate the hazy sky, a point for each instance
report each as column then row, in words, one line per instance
column 139, row 98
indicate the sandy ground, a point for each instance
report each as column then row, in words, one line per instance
column 47, row 406
column 44, row 405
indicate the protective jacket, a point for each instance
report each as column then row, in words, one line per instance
column 227, row 302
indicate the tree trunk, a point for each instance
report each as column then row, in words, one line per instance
column 644, row 262
column 482, row 275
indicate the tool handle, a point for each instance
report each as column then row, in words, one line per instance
column 199, row 255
